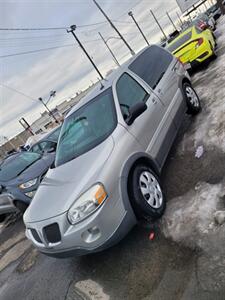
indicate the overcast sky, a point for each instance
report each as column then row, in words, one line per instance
column 64, row 69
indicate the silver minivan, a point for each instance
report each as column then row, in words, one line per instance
column 111, row 149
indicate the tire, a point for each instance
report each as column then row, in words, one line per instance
column 192, row 99
column 2, row 218
column 214, row 54
column 146, row 195
column 21, row 206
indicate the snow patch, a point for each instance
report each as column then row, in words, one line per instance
column 189, row 219
column 91, row 289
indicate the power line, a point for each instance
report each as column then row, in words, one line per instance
column 33, row 29
column 35, row 51
column 18, row 92
column 50, row 28
column 45, row 49
column 32, row 37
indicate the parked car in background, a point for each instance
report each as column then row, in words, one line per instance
column 20, row 176
column 110, row 152
column 48, row 143
column 204, row 21
column 214, row 11
column 193, row 46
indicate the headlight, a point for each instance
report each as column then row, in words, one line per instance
column 28, row 184
column 87, row 203
column 30, row 194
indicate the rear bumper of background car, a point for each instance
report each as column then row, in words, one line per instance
column 199, row 57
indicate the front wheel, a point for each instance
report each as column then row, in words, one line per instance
column 192, row 99
column 147, row 197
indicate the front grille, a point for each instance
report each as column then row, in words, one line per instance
column 36, row 235
column 52, row 233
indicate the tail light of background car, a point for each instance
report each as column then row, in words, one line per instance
column 199, row 42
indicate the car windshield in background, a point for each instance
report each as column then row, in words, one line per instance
column 86, row 128
column 54, row 135
column 181, row 41
column 16, row 164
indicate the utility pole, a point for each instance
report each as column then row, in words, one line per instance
column 181, row 22
column 171, row 21
column 114, row 27
column 26, row 125
column 157, row 22
column 41, row 100
column 105, row 42
column 139, row 28
column 72, row 29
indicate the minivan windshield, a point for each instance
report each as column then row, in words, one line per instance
column 14, row 165
column 86, row 128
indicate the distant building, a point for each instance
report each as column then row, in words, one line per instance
column 42, row 124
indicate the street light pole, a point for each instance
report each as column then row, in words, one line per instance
column 139, row 28
column 171, row 21
column 49, row 111
column 157, row 22
column 114, row 57
column 73, row 28
column 114, row 27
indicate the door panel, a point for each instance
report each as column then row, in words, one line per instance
column 170, row 94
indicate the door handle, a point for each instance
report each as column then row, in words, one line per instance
column 154, row 101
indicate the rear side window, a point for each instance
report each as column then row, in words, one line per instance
column 151, row 65
column 129, row 93
column 181, row 41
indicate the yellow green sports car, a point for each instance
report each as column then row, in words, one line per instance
column 193, row 46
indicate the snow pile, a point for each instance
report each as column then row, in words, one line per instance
column 190, row 219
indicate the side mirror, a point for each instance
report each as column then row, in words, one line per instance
column 51, row 149
column 135, row 111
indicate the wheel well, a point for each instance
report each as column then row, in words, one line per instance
column 185, row 80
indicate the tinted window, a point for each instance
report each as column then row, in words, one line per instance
column 35, row 148
column 46, row 145
column 181, row 41
column 129, row 92
column 54, row 135
column 86, row 128
column 151, row 65
column 16, row 164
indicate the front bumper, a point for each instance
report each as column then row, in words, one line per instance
column 6, row 204
column 106, row 227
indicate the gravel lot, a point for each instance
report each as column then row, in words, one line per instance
column 186, row 258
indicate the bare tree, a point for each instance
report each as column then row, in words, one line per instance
column 221, row 6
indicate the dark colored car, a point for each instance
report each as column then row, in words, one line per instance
column 214, row 11
column 20, row 176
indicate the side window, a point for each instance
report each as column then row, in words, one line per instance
column 129, row 92
column 36, row 149
column 151, row 65
column 46, row 145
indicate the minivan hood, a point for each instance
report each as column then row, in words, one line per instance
column 63, row 184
